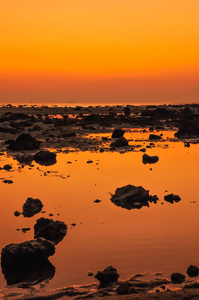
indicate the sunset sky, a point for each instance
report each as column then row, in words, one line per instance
column 122, row 51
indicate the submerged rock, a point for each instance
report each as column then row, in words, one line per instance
column 45, row 158
column 172, row 198
column 177, row 278
column 131, row 197
column 108, row 276
column 146, row 159
column 117, row 133
column 50, row 229
column 192, row 271
column 121, row 142
column 24, row 142
column 32, row 207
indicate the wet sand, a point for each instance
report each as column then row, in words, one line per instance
column 76, row 129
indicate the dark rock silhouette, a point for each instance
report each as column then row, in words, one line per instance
column 32, row 207
column 126, row 288
column 121, row 142
column 189, row 127
column 108, row 276
column 177, row 278
column 146, row 159
column 155, row 137
column 45, row 158
column 117, row 133
column 172, row 198
column 131, row 197
column 192, row 271
column 50, row 229
column 27, row 261
column 24, row 142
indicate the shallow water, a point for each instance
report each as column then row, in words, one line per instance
column 159, row 238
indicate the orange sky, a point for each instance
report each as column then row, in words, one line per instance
column 107, row 50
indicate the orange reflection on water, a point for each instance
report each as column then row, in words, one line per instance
column 158, row 238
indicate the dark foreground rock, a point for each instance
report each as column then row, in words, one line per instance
column 172, row 198
column 131, row 197
column 24, row 142
column 32, row 207
column 108, row 276
column 26, row 255
column 21, row 260
column 45, row 158
column 177, row 278
column 117, row 133
column 50, row 229
column 192, row 271
column 121, row 142
column 189, row 127
column 146, row 159
column 126, row 288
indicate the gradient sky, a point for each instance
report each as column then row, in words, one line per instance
column 99, row 51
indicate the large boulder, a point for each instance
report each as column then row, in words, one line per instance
column 24, row 142
column 18, row 261
column 146, row 159
column 26, row 255
column 131, row 197
column 108, row 276
column 45, row 158
column 50, row 229
column 32, row 207
column 121, row 142
column 117, row 133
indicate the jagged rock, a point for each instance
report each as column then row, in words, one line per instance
column 117, row 133
column 177, row 278
column 121, row 142
column 109, row 275
column 50, row 229
column 45, row 158
column 27, row 261
column 192, row 271
column 146, row 159
column 172, row 198
column 155, row 137
column 24, row 142
column 32, row 207
column 131, row 197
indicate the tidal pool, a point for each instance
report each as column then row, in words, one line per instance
column 158, row 238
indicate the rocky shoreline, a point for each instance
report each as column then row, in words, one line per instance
column 37, row 133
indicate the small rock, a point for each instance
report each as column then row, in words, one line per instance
column 17, row 213
column 108, row 276
column 32, row 207
column 117, row 133
column 192, row 271
column 121, row 142
column 7, row 167
column 8, row 181
column 45, row 158
column 177, row 278
column 172, row 198
column 146, row 159
column 50, row 229
column 155, row 137
column 97, row 201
